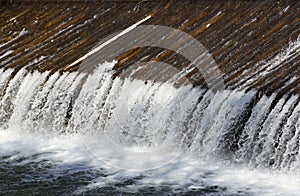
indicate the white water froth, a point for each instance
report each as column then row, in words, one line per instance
column 183, row 174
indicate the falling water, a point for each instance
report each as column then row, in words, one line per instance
column 132, row 121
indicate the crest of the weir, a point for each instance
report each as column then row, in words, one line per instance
column 246, row 39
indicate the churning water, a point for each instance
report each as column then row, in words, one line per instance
column 74, row 133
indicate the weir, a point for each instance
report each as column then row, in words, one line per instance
column 136, row 111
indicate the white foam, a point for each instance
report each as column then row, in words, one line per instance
column 184, row 174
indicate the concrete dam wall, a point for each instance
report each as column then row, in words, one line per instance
column 255, row 44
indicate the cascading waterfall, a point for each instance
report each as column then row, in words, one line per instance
column 150, row 122
column 243, row 127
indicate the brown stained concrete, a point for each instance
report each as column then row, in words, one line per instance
column 242, row 36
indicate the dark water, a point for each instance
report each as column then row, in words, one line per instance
column 24, row 176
